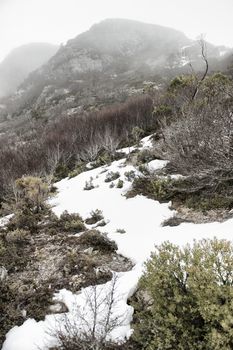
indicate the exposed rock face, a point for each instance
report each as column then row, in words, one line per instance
column 106, row 64
column 22, row 61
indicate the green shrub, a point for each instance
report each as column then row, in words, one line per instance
column 120, row 183
column 70, row 223
column 145, row 156
column 189, row 294
column 98, row 240
column 30, row 205
column 120, row 230
column 144, row 170
column 61, row 171
column 111, row 176
column 17, row 236
column 130, row 175
column 160, row 189
column 137, row 133
column 31, row 191
column 195, row 192
column 78, row 170
column 96, row 215
column 89, row 184
column 202, row 203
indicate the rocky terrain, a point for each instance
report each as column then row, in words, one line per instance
column 115, row 59
column 116, row 157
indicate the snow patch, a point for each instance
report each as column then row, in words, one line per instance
column 141, row 218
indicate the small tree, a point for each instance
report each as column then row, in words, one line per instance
column 30, row 203
column 190, row 293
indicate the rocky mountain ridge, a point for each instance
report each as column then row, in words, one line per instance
column 114, row 59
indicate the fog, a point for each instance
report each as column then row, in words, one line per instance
column 56, row 21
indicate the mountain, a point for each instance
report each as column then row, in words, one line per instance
column 114, row 59
column 22, row 61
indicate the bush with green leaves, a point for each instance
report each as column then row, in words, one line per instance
column 137, row 133
column 155, row 187
column 89, row 185
column 30, row 204
column 189, row 296
column 69, row 223
column 98, row 240
column 120, row 183
column 130, row 175
column 95, row 216
column 111, row 176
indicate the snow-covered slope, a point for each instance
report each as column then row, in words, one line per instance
column 141, row 219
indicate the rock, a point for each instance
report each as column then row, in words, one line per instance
column 103, row 272
column 24, row 313
column 58, row 308
column 77, row 281
column 88, row 251
column 3, row 273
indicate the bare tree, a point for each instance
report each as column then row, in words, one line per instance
column 93, row 323
column 203, row 47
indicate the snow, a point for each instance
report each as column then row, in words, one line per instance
column 141, row 218
column 4, row 220
column 156, row 165
column 146, row 142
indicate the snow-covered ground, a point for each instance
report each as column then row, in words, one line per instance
column 141, row 218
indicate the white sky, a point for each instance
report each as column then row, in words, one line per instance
column 56, row 21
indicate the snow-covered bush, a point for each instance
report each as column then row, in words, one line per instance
column 111, row 176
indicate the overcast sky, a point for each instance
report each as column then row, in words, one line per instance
column 56, row 21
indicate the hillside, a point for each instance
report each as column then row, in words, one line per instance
column 22, row 61
column 116, row 195
column 135, row 224
column 115, row 59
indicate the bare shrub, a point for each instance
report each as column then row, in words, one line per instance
column 201, row 138
column 59, row 147
column 90, row 326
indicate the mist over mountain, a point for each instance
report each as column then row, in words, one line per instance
column 20, row 62
column 114, row 59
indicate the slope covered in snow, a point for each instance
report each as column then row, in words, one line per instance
column 141, row 220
